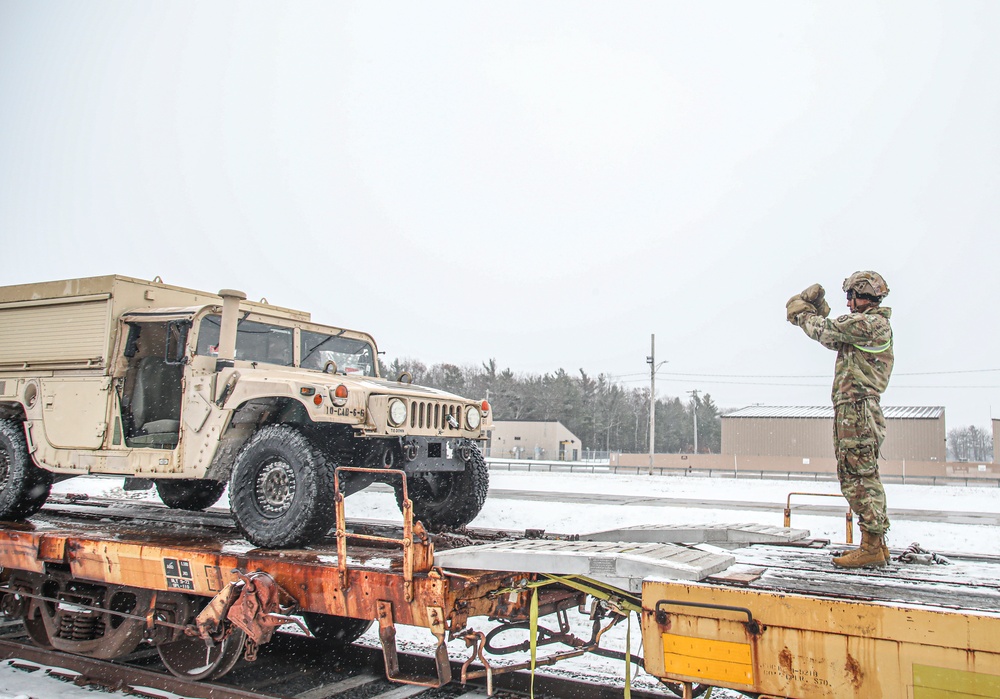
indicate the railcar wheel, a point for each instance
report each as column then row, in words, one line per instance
column 91, row 620
column 281, row 489
column 335, row 632
column 37, row 632
column 449, row 499
column 190, row 494
column 24, row 487
column 192, row 659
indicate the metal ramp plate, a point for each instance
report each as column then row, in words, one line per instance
column 623, row 565
column 738, row 534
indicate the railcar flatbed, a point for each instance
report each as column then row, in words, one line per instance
column 150, row 546
column 757, row 609
column 971, row 584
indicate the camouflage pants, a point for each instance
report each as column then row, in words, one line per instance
column 858, row 433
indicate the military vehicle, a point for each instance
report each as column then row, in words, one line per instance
column 192, row 390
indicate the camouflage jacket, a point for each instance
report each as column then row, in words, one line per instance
column 864, row 351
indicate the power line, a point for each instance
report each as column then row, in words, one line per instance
column 817, row 376
column 792, row 385
column 905, row 386
column 961, row 371
column 619, row 377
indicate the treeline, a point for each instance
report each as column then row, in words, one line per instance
column 605, row 415
column 970, row 444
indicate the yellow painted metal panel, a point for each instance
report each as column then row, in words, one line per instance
column 708, row 648
column 932, row 682
column 819, row 648
column 709, row 670
column 721, row 661
column 931, row 693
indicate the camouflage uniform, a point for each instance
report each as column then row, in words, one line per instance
column 863, row 342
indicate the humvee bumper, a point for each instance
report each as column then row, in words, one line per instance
column 436, row 454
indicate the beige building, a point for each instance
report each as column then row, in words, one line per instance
column 996, row 440
column 529, row 439
column 912, row 433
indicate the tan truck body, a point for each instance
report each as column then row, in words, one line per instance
column 78, row 358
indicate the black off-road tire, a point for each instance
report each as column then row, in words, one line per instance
column 281, row 489
column 450, row 499
column 190, row 494
column 24, row 487
column 335, row 632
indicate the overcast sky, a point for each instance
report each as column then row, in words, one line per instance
column 544, row 183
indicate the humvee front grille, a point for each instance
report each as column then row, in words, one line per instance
column 430, row 415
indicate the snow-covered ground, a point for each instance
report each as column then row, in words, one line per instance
column 576, row 518
column 570, row 518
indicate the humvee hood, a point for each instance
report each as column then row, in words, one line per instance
column 369, row 384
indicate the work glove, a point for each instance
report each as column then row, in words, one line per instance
column 815, row 295
column 797, row 306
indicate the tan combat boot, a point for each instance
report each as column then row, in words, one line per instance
column 868, row 555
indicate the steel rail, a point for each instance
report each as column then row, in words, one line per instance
column 117, row 676
column 120, row 676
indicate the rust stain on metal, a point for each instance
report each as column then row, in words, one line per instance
column 262, row 606
column 52, row 549
column 134, row 556
column 785, row 660
column 855, row 675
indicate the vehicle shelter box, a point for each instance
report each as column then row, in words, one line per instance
column 912, row 433
column 69, row 324
column 532, row 439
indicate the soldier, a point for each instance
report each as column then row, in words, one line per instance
column 863, row 341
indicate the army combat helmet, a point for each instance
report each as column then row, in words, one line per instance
column 867, row 283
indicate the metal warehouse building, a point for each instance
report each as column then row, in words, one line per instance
column 912, row 433
column 533, row 439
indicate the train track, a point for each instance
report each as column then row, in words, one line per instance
column 289, row 667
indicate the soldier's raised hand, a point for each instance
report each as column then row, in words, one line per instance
column 796, row 306
column 816, row 295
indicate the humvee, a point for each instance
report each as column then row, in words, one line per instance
column 193, row 390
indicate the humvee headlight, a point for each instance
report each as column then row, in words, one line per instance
column 397, row 412
column 472, row 417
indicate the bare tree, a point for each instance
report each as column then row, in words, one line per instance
column 970, row 444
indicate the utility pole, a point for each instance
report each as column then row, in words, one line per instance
column 653, row 366
column 694, row 412
column 652, row 398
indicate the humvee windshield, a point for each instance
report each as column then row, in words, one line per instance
column 255, row 342
column 352, row 356
column 272, row 344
